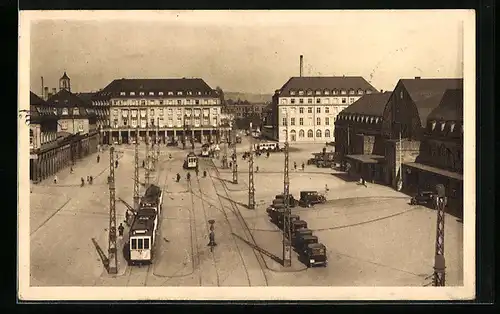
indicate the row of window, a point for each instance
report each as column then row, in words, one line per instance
column 310, row 109
column 170, row 93
column 161, row 102
column 442, row 125
column 170, row 111
column 64, row 125
column 343, row 100
column 140, row 244
column 310, row 133
column 309, row 119
column 328, row 92
column 161, row 122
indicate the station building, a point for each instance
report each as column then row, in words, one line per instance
column 158, row 109
column 413, row 143
column 311, row 105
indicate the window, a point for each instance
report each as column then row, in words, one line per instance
column 318, row 133
column 318, row 109
column 292, row 121
column 151, row 112
column 197, row 102
column 401, row 94
column 292, row 92
column 318, row 100
column 327, row 121
column 301, row 133
column 76, row 111
column 283, row 101
column 151, row 93
column 283, row 122
column 360, row 91
column 327, row 92
column 301, row 92
column 205, row 101
column 80, row 126
column 122, row 93
column 170, row 93
column 160, row 93
column 327, row 133
column 179, row 121
column 179, row 93
column 134, row 244
column 301, row 121
column 132, row 93
column 310, row 133
column 188, row 101
column 64, row 125
column 301, row 100
column 140, row 245
column 141, row 93
column 318, row 92
column 343, row 92
column 152, row 122
column 309, row 100
column 292, row 101
column 309, row 92
column 327, row 109
column 161, row 112
column 351, row 100
column 65, row 111
column 301, row 110
column 179, row 111
column 169, row 102
column 309, row 109
column 351, row 92
column 190, row 93
column 318, row 121
column 179, row 102
column 343, row 100
column 161, row 102
column 143, row 102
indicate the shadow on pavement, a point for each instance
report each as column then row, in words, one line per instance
column 261, row 250
column 345, row 177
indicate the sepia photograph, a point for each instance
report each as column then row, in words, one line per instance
column 252, row 155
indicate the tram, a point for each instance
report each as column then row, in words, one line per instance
column 142, row 234
column 191, row 161
column 205, row 150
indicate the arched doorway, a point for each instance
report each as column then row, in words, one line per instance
column 293, row 136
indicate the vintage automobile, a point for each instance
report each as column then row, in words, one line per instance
column 301, row 233
column 315, row 254
column 303, row 241
column 298, row 225
column 281, row 198
column 310, row 198
column 423, row 197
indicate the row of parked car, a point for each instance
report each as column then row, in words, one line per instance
column 311, row 252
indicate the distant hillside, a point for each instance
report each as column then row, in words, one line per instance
column 248, row 96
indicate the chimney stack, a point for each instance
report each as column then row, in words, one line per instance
column 45, row 93
column 301, row 64
column 417, row 77
column 42, row 88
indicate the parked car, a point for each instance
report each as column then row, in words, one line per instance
column 423, row 197
column 310, row 198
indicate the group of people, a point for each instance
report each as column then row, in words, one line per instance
column 90, row 180
column 188, row 175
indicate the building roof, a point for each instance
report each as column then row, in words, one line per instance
column 369, row 104
column 427, row 93
column 185, row 85
column 65, row 98
column 450, row 108
column 85, row 97
column 65, row 76
column 329, row 83
column 35, row 100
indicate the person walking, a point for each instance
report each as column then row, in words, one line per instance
column 88, row 179
column 91, row 179
column 143, row 164
column 188, row 176
column 303, row 166
column 120, row 230
column 82, row 182
column 257, row 169
column 204, row 173
column 116, row 164
column 71, row 169
column 294, row 165
column 178, row 177
column 55, row 179
column 98, row 158
column 127, row 216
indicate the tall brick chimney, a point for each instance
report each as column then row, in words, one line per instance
column 301, row 65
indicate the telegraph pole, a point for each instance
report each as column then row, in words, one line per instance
column 136, row 169
column 287, row 229
column 224, row 156
column 147, row 170
column 157, row 140
column 439, row 260
column 251, row 186
column 235, row 159
column 113, row 261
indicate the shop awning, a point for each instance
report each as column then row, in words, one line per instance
column 442, row 172
column 367, row 159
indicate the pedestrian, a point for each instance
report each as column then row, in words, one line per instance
column 98, row 158
column 116, row 164
column 91, row 179
column 169, row 156
column 71, row 169
column 326, row 189
column 188, row 176
column 143, row 164
column 212, row 239
column 178, row 177
column 197, row 171
column 230, row 164
column 363, row 182
column 55, row 179
column 120, row 230
column 303, row 166
column 127, row 216
column 83, row 181
column 294, row 165
column 204, row 173
column 88, row 179
column 257, row 169
column 267, row 154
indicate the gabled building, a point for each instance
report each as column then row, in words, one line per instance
column 310, row 105
column 43, row 123
column 163, row 110
column 75, row 116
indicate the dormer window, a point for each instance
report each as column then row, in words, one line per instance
column 190, row 92
column 199, row 93
column 318, row 92
column 132, row 93
column 360, row 91
column 351, row 92
column 301, row 92
column 76, row 111
column 442, row 126
column 170, row 93
column 343, row 92
column 433, row 125
column 54, row 110
column 122, row 93
column 160, row 93
column 309, row 92
column 179, row 93
column 368, row 91
column 452, row 127
column 292, row 92
column 141, row 93
column 334, row 92
column 151, row 93
column 65, row 111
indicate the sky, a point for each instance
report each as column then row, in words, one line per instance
column 244, row 51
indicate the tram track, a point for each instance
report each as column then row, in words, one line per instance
column 236, row 212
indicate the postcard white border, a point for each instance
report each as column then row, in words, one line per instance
column 25, row 292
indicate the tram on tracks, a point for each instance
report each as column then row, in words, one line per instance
column 144, row 228
column 205, row 150
column 191, row 161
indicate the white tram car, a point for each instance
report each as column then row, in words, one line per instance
column 142, row 234
column 191, row 161
column 205, row 150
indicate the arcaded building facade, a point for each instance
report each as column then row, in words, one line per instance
column 158, row 109
column 310, row 106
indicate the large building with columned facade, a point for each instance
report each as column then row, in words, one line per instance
column 311, row 105
column 159, row 109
